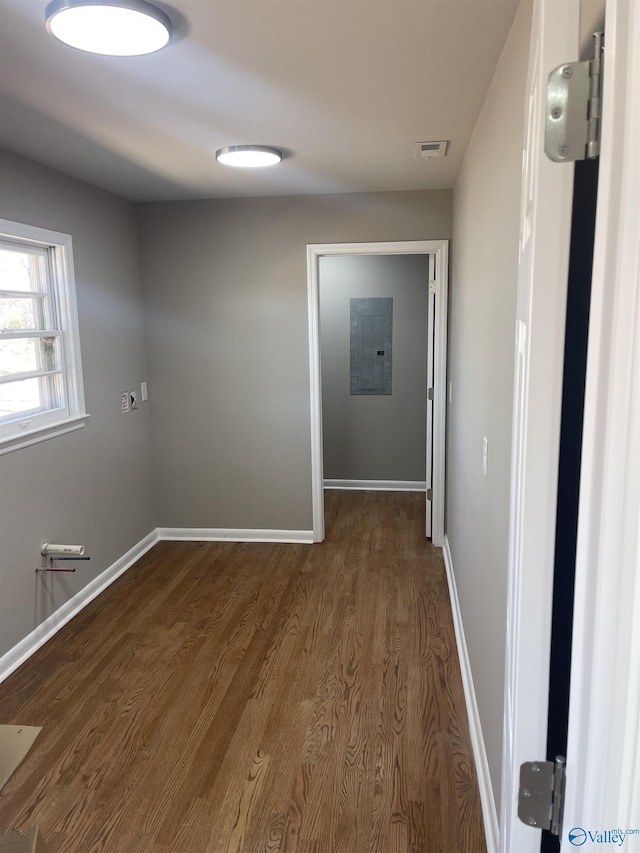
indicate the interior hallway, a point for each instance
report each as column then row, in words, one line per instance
column 232, row 698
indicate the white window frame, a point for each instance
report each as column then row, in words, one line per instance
column 41, row 426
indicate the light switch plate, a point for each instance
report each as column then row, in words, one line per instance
column 143, row 391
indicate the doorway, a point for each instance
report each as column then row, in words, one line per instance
column 437, row 284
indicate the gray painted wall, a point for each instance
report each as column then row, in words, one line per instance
column 374, row 437
column 91, row 486
column 225, row 287
column 484, row 269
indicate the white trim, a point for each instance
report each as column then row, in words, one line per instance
column 603, row 755
column 315, row 395
column 440, row 394
column 31, row 233
column 545, row 228
column 415, row 247
column 428, row 437
column 65, row 309
column 378, row 485
column 397, row 247
column 35, row 436
column 32, row 642
column 229, row 534
column 487, row 800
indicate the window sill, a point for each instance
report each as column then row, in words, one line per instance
column 44, row 433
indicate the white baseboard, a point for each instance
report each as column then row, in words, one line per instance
column 39, row 636
column 487, row 798
column 378, row 485
column 229, row 534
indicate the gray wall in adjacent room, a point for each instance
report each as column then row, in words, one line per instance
column 484, row 273
column 91, row 486
column 374, row 437
column 225, row 287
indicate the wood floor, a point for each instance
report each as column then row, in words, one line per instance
column 224, row 698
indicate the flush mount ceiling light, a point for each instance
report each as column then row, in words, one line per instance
column 111, row 27
column 248, row 156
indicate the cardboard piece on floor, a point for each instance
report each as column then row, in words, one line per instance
column 15, row 743
column 29, row 842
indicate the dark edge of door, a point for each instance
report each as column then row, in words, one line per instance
column 573, row 387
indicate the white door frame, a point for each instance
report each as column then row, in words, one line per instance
column 603, row 754
column 545, row 231
column 438, row 248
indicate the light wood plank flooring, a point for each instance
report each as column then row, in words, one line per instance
column 224, row 698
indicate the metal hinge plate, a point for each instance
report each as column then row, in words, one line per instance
column 432, row 287
column 541, row 794
column 429, row 494
column 572, row 121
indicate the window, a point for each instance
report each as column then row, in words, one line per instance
column 41, row 392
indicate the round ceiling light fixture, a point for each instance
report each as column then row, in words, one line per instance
column 248, row 156
column 109, row 27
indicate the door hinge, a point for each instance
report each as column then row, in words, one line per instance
column 429, row 494
column 432, row 286
column 572, row 121
column 541, row 794
column 429, row 393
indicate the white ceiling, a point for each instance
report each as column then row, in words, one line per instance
column 345, row 87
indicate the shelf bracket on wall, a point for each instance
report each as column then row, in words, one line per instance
column 52, row 568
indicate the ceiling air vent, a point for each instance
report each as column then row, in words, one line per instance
column 426, row 150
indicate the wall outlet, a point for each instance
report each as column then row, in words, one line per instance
column 134, row 398
column 485, row 453
column 124, row 402
column 143, row 391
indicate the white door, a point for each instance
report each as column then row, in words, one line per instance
column 603, row 753
column 540, row 321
